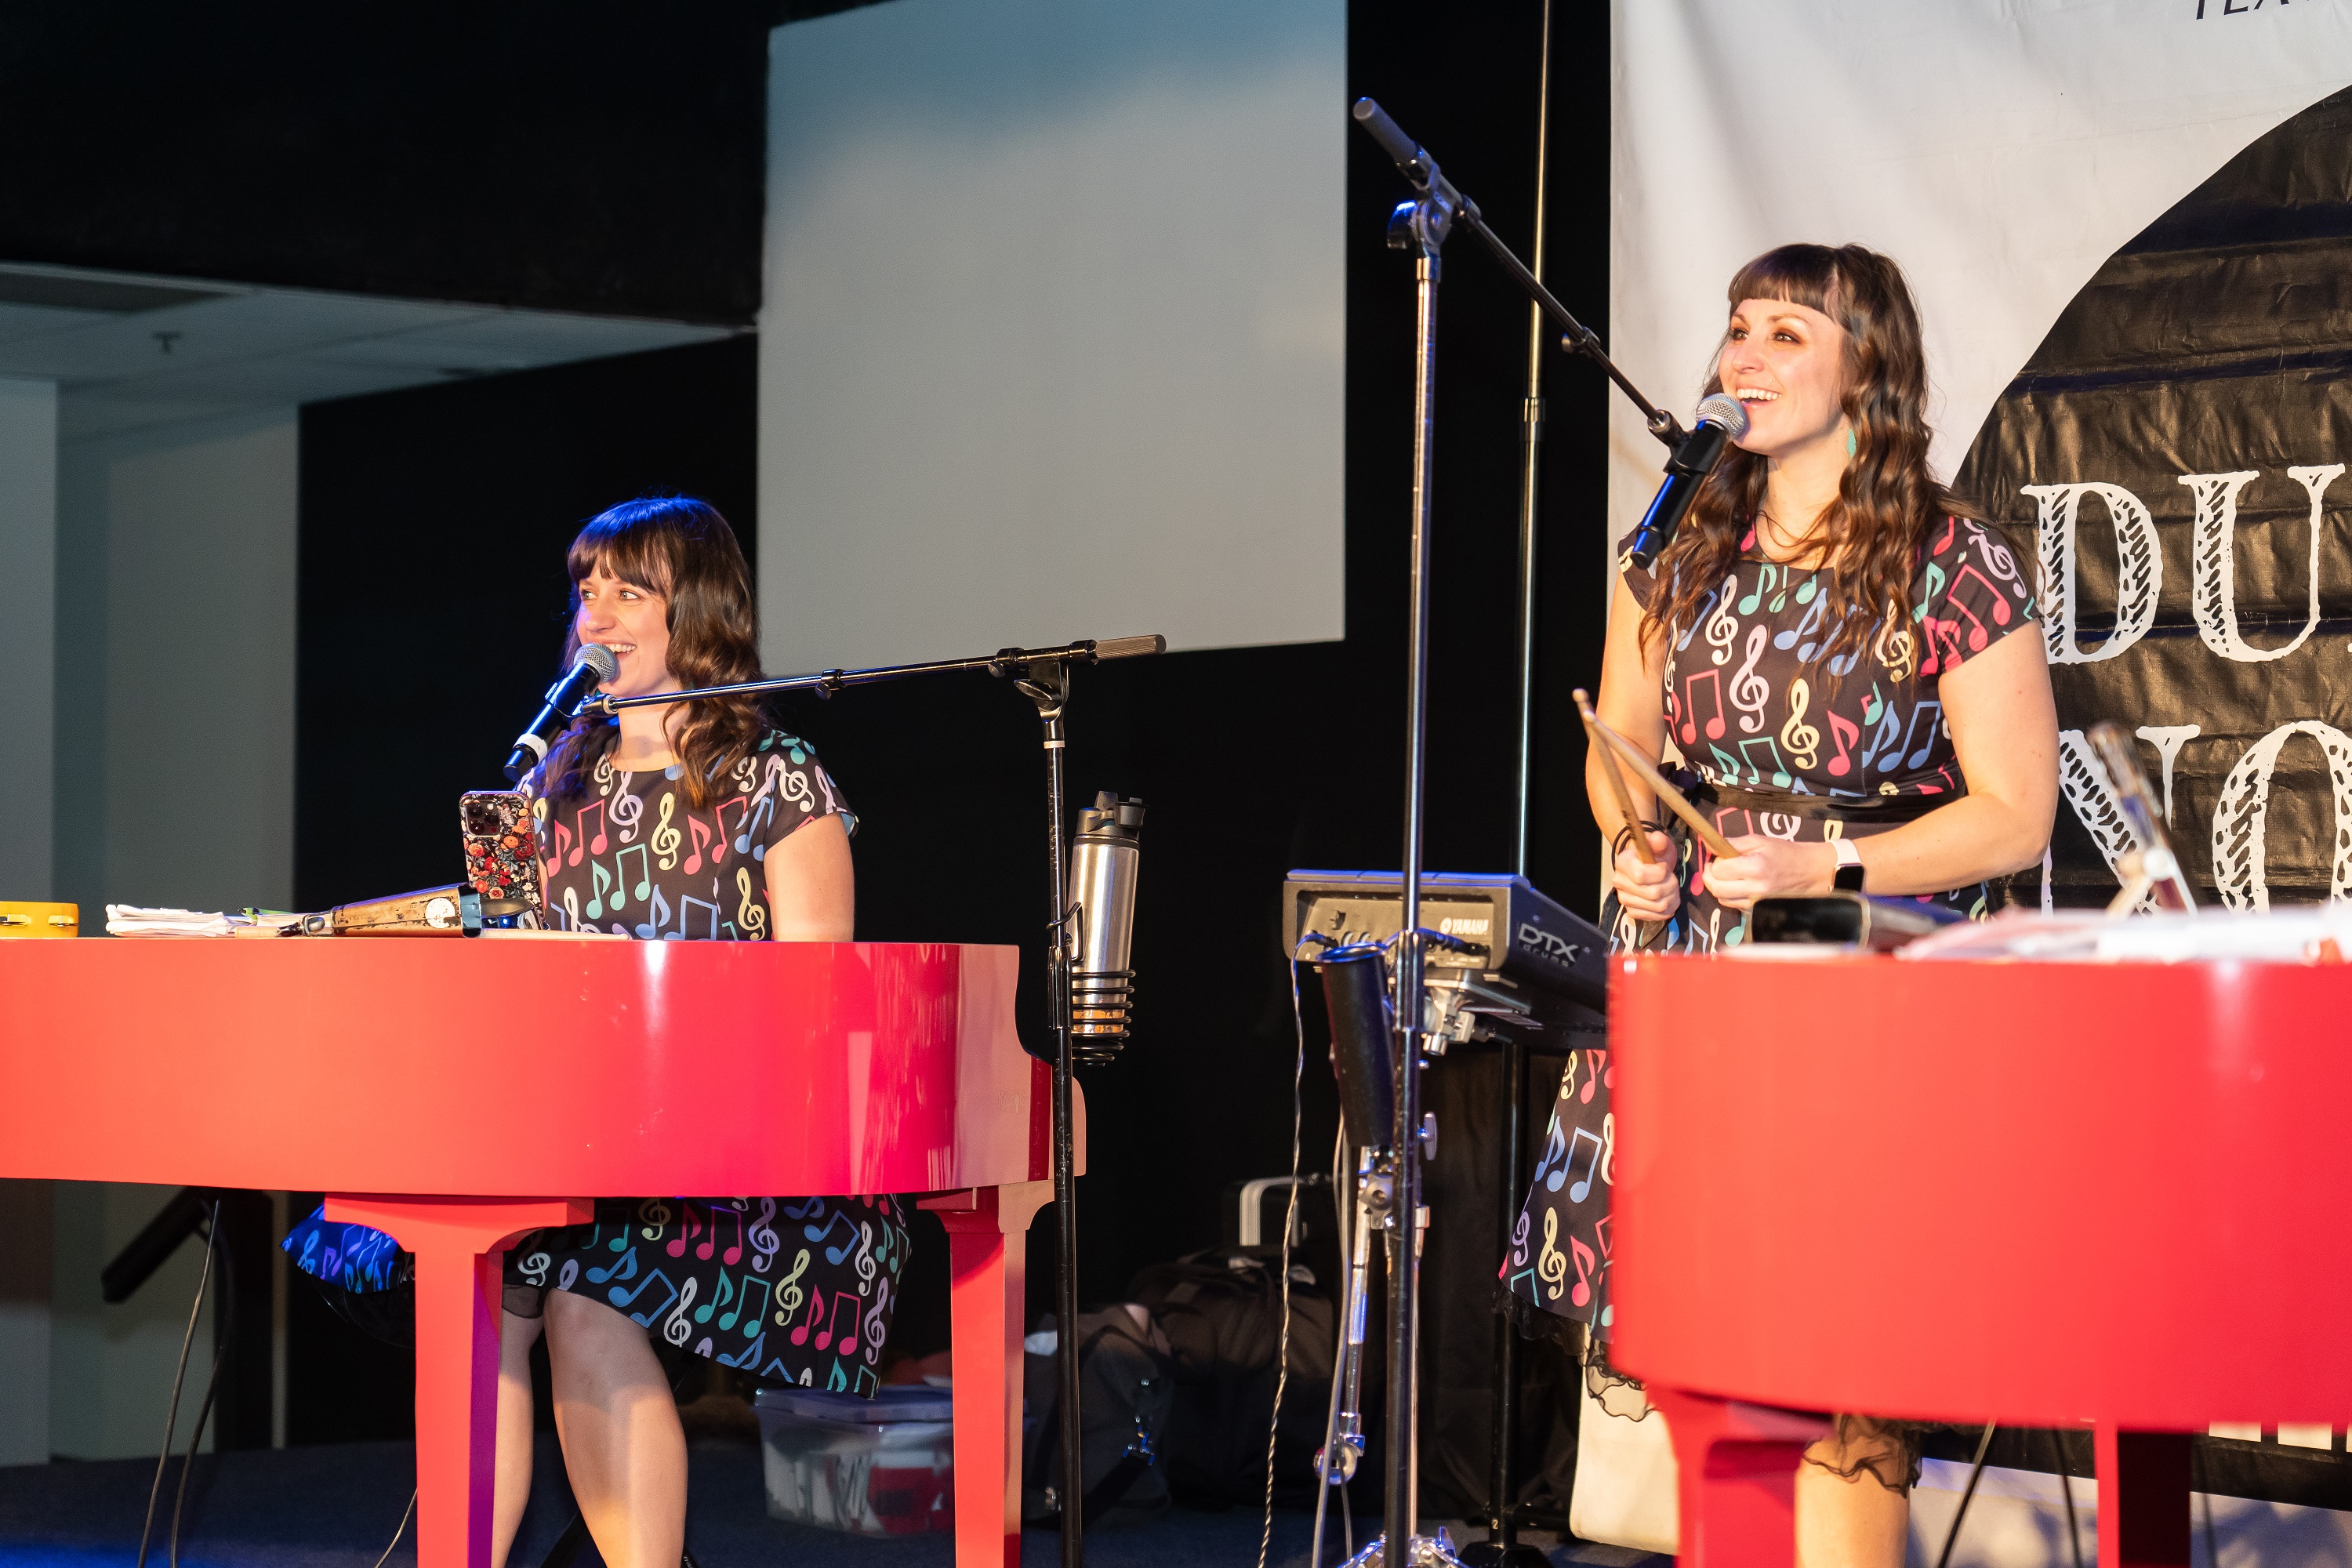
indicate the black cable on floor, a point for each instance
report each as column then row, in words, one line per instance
column 2066, row 1485
column 179, row 1381
column 224, row 1335
column 399, row 1532
column 1976, row 1471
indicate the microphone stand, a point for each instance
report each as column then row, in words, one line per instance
column 1422, row 226
column 1042, row 675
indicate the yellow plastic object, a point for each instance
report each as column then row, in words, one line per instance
column 39, row 920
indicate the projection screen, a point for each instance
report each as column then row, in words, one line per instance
column 1051, row 343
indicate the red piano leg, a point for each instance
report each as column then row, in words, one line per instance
column 1737, row 1468
column 459, row 1244
column 988, row 1249
column 2142, row 1498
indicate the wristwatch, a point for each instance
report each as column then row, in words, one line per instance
column 1848, row 878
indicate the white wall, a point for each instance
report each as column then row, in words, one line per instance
column 111, row 1367
column 1053, row 338
column 29, row 577
column 175, row 722
column 174, row 744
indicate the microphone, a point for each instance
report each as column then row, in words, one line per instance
column 596, row 665
column 1363, row 1042
column 1720, row 420
column 1103, row 861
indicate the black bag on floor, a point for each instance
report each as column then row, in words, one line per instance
column 1222, row 1311
column 1124, row 1389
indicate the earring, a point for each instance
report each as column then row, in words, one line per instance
column 1849, row 441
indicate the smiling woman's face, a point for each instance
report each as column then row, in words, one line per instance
column 633, row 621
column 1786, row 364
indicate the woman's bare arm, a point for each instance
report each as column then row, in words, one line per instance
column 812, row 890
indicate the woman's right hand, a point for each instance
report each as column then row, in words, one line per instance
column 1647, row 892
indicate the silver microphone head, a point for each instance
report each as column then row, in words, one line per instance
column 1724, row 410
column 598, row 657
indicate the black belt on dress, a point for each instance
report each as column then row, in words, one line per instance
column 1886, row 808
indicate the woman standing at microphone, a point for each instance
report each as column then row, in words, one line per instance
column 694, row 820
column 1830, row 643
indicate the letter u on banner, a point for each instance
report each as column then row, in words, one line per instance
column 2213, row 562
column 2140, row 562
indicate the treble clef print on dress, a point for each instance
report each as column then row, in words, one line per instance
column 788, row 1295
column 1803, row 741
column 1723, row 626
column 675, row 1328
column 665, row 838
column 1749, row 691
column 1551, row 1266
column 604, row 775
column 865, row 1260
column 877, row 1321
column 627, row 809
column 1896, row 648
column 765, row 1243
column 750, row 912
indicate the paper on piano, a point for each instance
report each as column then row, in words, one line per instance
column 2319, row 933
column 129, row 919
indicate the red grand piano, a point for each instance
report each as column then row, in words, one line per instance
column 2074, row 1194
column 459, row 1093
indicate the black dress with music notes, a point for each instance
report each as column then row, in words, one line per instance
column 791, row 1289
column 1792, row 745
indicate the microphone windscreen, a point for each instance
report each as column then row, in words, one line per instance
column 598, row 657
column 1724, row 410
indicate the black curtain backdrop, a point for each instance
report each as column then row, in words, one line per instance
column 433, row 527
column 2212, row 344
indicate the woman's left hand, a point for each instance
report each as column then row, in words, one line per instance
column 1765, row 868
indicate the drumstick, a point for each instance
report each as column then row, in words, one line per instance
column 1616, row 778
column 1715, row 841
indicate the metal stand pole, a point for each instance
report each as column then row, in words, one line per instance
column 1501, row 1548
column 1047, row 684
column 1420, row 226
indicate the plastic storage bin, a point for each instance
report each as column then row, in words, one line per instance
column 884, row 1465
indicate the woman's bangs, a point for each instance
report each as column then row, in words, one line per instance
column 635, row 551
column 1801, row 274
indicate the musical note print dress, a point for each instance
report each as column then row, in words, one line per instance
column 792, row 1290
column 1779, row 742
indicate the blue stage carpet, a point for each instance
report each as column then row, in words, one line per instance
column 335, row 1506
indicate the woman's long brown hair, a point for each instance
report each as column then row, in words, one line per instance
column 1875, row 532
column 682, row 549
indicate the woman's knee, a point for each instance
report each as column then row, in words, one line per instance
column 517, row 1334
column 577, row 1323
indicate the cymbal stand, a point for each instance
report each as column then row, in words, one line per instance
column 1042, row 675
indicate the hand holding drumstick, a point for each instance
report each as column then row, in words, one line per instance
column 1647, row 891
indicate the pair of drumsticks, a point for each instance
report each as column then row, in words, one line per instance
column 1608, row 742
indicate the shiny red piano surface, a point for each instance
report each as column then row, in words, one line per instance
column 461, row 1093
column 2036, row 1192
column 515, row 1066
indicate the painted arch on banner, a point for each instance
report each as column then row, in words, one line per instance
column 2130, row 229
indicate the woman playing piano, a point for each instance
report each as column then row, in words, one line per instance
column 1830, row 643
column 696, row 820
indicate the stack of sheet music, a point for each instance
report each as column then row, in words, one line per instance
column 129, row 919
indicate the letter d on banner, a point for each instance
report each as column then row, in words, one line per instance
column 2138, row 580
